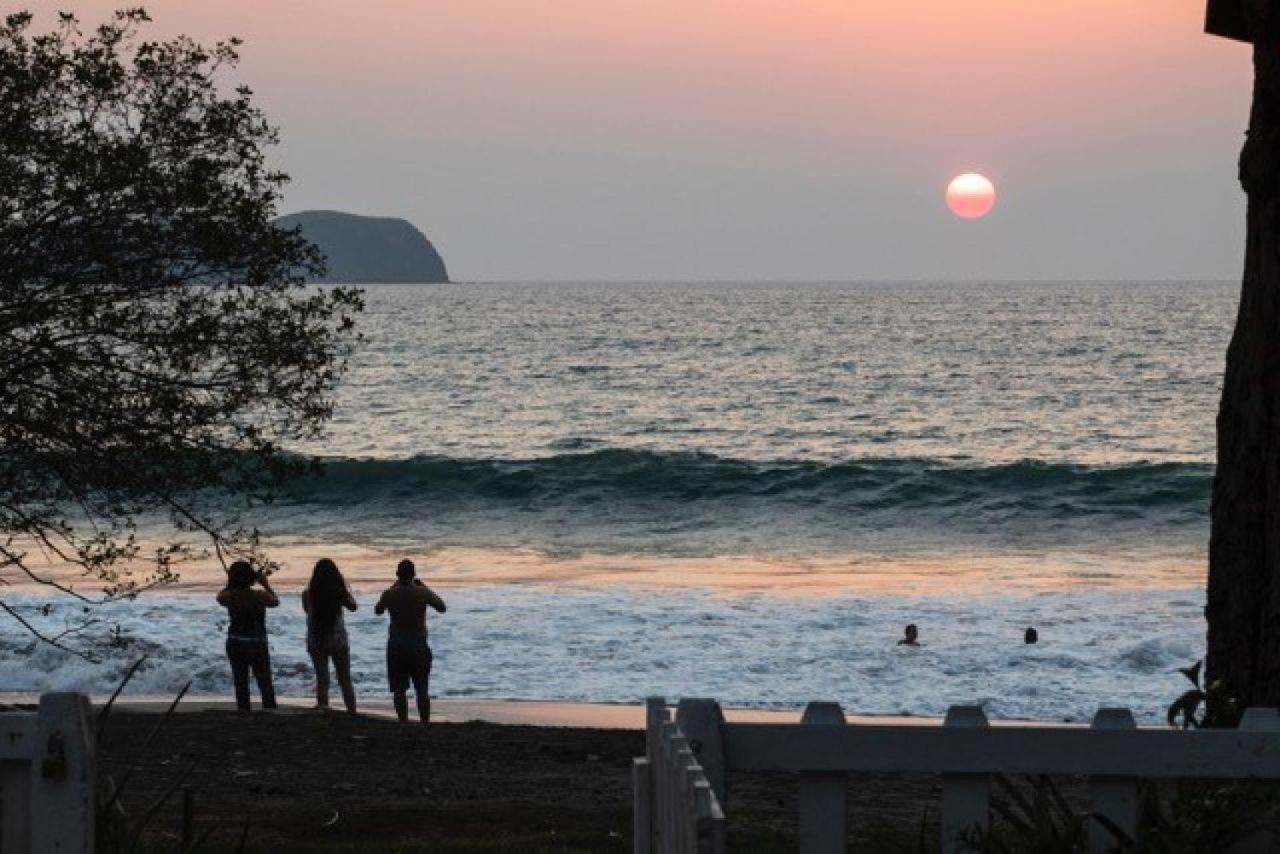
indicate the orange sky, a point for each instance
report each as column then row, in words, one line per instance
column 474, row 117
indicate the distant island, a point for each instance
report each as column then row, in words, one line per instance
column 368, row 250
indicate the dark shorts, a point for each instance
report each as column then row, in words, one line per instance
column 408, row 660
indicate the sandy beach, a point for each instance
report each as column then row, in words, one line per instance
column 537, row 713
column 487, row 775
column 312, row 781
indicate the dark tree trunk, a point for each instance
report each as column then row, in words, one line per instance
column 1243, row 609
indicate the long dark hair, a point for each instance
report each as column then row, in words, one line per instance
column 328, row 589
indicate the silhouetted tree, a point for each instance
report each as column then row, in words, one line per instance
column 1243, row 609
column 157, row 344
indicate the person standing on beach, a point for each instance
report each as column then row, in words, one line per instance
column 323, row 600
column 247, row 632
column 408, row 655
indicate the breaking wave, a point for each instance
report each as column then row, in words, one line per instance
column 1169, row 492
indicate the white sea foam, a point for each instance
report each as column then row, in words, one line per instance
column 756, row 650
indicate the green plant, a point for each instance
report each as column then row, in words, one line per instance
column 1041, row 821
column 116, row 830
column 1200, row 815
column 1220, row 709
column 1192, row 816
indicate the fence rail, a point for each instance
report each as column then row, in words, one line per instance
column 47, row 777
column 965, row 749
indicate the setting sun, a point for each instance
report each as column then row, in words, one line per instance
column 971, row 196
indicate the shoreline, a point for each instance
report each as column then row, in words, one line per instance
column 560, row 714
column 542, row 714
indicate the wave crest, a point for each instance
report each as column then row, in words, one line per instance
column 865, row 485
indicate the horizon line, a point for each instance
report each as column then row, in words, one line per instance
column 819, row 281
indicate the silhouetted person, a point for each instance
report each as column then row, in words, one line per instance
column 408, row 655
column 1031, row 635
column 323, row 600
column 910, row 636
column 247, row 632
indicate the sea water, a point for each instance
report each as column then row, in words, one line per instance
column 745, row 491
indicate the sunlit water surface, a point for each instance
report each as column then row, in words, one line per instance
column 746, row 489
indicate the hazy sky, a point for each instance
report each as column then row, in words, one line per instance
column 756, row 139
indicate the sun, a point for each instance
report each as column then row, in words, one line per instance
column 971, row 196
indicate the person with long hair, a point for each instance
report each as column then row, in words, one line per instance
column 323, row 600
column 247, row 631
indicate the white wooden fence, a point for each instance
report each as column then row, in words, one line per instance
column 675, row 807
column 47, row 777
column 965, row 749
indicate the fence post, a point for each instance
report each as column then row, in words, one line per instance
column 823, row 827
column 1114, row 798
column 62, row 776
column 1263, row 840
column 665, row 837
column 710, row 816
column 686, row 809
column 640, row 816
column 672, row 784
column 710, row 822
column 697, row 788
column 966, row 798
column 701, row 720
column 655, row 711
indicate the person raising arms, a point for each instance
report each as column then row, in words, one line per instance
column 247, row 632
column 324, row 599
column 408, row 653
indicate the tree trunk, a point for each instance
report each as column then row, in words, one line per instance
column 1243, row 609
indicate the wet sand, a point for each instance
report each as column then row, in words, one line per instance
column 951, row 573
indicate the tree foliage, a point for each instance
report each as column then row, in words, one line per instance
column 158, row 345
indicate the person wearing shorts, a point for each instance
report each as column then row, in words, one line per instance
column 408, row 653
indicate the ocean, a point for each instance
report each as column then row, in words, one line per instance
column 745, row 491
